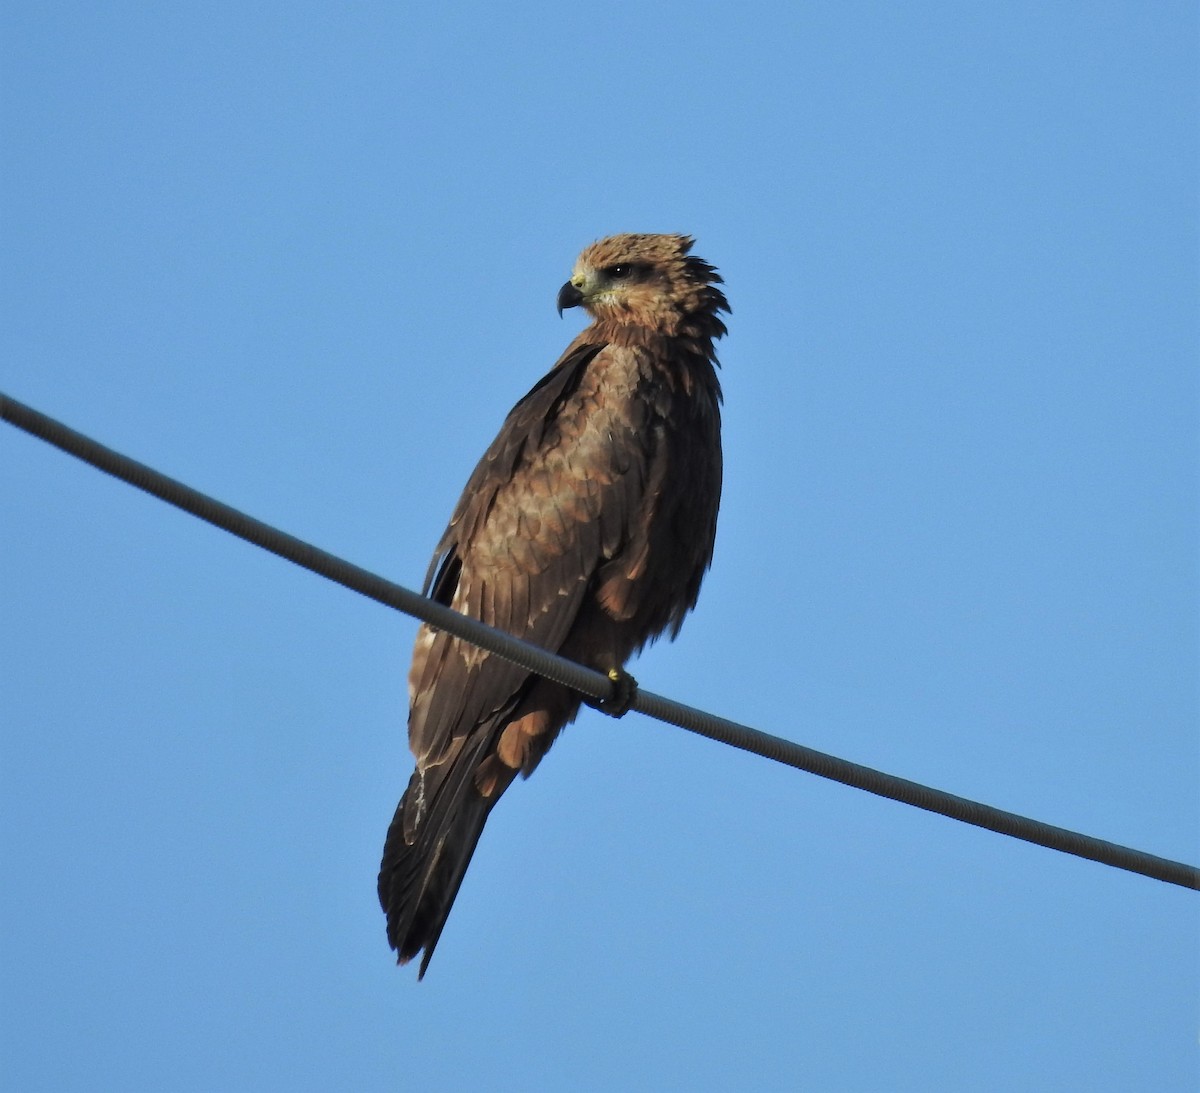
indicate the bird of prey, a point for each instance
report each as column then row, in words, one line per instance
column 586, row 529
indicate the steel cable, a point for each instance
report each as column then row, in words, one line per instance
column 593, row 684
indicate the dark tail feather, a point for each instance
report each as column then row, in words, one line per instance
column 421, row 872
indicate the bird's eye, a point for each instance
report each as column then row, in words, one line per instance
column 618, row 272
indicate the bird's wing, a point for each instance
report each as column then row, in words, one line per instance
column 550, row 500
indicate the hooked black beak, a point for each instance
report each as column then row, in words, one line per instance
column 568, row 296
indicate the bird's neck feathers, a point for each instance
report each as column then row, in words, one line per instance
column 690, row 322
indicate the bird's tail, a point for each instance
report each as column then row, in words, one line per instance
column 428, row 848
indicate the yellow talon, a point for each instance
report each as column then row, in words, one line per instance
column 624, row 693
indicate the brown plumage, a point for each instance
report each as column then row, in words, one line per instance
column 586, row 528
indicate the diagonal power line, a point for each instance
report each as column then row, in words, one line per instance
column 588, row 682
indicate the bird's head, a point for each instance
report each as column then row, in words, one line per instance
column 646, row 281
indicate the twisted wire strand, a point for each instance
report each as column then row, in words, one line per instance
column 584, row 680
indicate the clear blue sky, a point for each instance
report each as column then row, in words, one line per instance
column 304, row 257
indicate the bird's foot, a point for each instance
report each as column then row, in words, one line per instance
column 624, row 693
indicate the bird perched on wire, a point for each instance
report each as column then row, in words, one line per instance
column 586, row 528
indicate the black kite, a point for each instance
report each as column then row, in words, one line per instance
column 586, row 528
